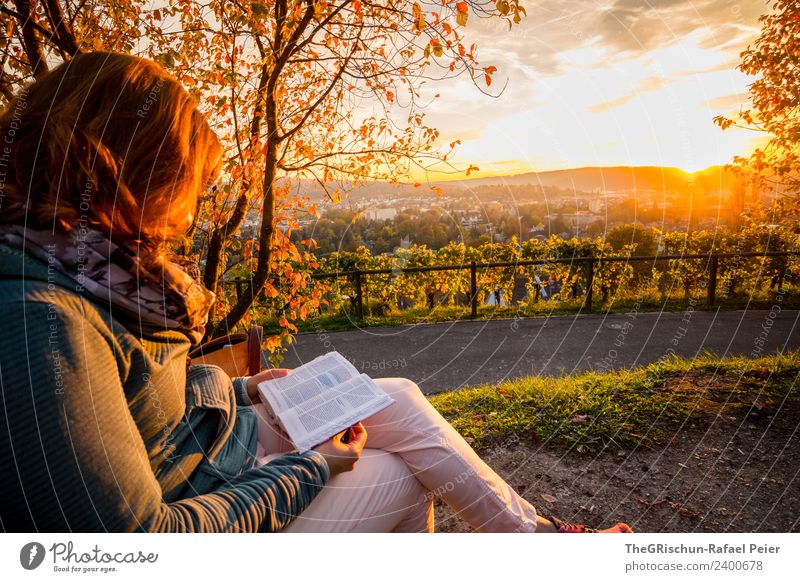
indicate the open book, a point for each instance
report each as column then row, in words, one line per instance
column 322, row 398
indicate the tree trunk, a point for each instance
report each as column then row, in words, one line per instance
column 63, row 37
column 30, row 39
column 216, row 245
column 219, row 238
column 262, row 272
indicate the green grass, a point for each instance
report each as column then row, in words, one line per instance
column 623, row 409
column 342, row 320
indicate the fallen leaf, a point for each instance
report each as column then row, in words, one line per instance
column 579, row 418
column 685, row 511
column 549, row 498
column 653, row 503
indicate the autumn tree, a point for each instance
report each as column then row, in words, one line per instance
column 774, row 108
column 325, row 92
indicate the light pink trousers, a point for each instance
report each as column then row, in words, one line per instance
column 412, row 456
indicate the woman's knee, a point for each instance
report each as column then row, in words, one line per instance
column 409, row 419
column 378, row 495
column 400, row 387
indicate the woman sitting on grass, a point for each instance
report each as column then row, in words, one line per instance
column 104, row 426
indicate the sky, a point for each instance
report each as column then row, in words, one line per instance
column 604, row 83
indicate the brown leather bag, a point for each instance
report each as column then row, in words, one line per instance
column 238, row 354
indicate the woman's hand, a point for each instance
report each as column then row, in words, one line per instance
column 256, row 379
column 341, row 456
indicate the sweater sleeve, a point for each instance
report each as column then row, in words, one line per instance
column 240, row 390
column 80, row 461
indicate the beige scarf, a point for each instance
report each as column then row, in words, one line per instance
column 114, row 275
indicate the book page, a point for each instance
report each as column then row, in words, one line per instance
column 306, row 382
column 331, row 412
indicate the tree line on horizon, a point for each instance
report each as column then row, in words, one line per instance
column 345, row 228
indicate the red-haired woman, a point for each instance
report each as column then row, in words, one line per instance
column 103, row 427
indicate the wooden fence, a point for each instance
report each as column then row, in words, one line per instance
column 357, row 275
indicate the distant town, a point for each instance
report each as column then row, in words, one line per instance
column 580, row 203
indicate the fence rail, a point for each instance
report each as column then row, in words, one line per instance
column 357, row 275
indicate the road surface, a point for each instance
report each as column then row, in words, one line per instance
column 446, row 356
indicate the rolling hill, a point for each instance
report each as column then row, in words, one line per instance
column 614, row 179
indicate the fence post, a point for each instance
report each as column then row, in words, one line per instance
column 473, row 289
column 589, row 284
column 712, row 281
column 359, row 296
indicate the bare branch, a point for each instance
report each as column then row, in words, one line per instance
column 311, row 109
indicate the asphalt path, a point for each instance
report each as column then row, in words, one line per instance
column 446, row 356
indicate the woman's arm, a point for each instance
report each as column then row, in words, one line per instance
column 245, row 388
column 74, row 455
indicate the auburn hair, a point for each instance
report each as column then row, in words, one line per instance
column 106, row 141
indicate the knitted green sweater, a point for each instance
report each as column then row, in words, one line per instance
column 103, row 429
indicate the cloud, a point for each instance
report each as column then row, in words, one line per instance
column 636, row 27
column 725, row 103
column 615, row 29
column 612, row 104
column 646, row 85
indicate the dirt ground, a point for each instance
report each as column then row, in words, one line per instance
column 739, row 475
